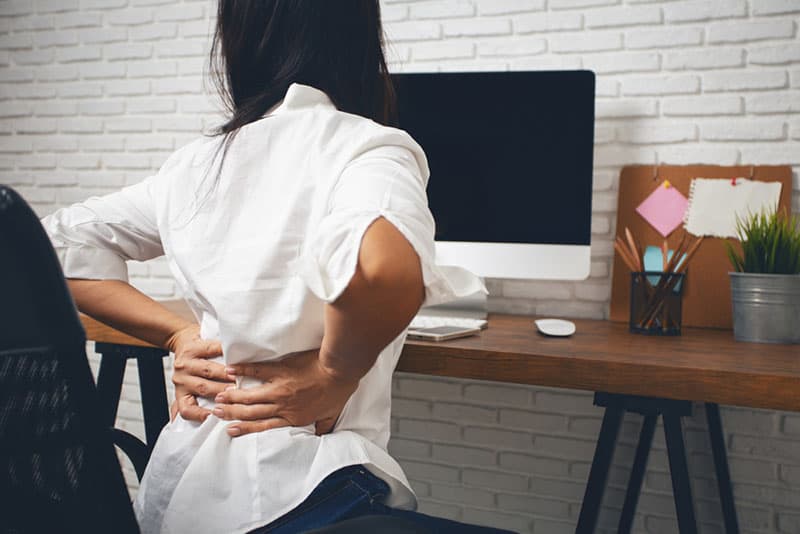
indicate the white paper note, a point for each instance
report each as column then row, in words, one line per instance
column 714, row 204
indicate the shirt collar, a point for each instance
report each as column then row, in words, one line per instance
column 300, row 96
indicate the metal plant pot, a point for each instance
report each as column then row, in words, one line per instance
column 766, row 307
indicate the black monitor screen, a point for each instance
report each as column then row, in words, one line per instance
column 510, row 153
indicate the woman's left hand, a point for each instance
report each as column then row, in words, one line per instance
column 297, row 391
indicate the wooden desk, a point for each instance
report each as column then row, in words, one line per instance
column 701, row 365
column 653, row 376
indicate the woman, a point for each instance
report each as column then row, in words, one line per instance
column 300, row 237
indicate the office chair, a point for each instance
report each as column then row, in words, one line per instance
column 58, row 467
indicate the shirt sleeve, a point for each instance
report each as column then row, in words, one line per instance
column 385, row 181
column 93, row 239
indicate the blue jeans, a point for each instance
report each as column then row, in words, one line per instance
column 354, row 492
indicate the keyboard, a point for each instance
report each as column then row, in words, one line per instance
column 430, row 321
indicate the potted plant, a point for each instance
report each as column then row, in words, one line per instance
column 765, row 287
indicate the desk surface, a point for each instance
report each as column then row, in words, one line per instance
column 702, row 364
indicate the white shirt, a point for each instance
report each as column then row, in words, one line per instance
column 257, row 256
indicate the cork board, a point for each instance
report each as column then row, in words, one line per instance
column 707, row 294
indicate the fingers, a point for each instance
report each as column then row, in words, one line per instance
column 202, row 368
column 243, row 412
column 260, row 370
column 189, row 410
column 202, row 348
column 199, row 386
column 243, row 427
column 265, row 394
column 325, row 426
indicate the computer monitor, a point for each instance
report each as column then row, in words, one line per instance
column 510, row 155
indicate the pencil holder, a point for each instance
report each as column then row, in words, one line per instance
column 656, row 303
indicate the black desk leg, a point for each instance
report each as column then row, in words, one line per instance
column 679, row 470
column 637, row 473
column 598, row 475
column 154, row 396
column 109, row 387
column 720, row 455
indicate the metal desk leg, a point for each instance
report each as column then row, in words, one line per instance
column 598, row 475
column 154, row 397
column 637, row 473
column 151, row 385
column 681, row 489
column 721, row 466
column 109, row 387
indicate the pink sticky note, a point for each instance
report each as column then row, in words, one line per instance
column 664, row 209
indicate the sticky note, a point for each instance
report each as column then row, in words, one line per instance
column 664, row 209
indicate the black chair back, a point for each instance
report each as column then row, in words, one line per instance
column 58, row 468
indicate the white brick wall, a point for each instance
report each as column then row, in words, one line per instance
column 95, row 94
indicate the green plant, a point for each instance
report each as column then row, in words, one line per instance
column 770, row 243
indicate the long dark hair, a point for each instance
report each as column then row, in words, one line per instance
column 261, row 47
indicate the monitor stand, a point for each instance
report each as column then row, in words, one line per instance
column 469, row 307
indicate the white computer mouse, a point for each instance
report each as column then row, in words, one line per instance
column 555, row 327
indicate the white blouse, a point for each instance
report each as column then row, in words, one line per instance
column 256, row 255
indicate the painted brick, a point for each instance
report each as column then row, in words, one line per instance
column 442, row 10
column 443, row 50
column 99, row 71
column 586, row 42
column 703, row 106
column 80, row 19
column 57, row 73
column 151, row 69
column 663, row 38
column 469, row 456
column 786, row 102
column 129, row 17
column 774, row 7
column 153, row 32
column 547, row 22
column 468, row 28
column 692, row 155
column 464, row 412
column 534, row 289
column 103, row 35
column 703, row 10
column 517, row 47
column 462, row 495
column 534, row 505
column 497, row 395
column 428, row 388
column 493, row 436
column 774, row 55
column 435, row 430
column 574, row 4
column 660, row 85
column 406, row 448
column 431, row 471
column 739, row 32
column 78, row 53
column 413, row 31
column 704, row 59
column 760, row 130
column 622, row 16
column 494, row 479
column 620, row 62
column 663, row 132
column 479, row 516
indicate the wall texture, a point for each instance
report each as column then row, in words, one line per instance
column 95, row 94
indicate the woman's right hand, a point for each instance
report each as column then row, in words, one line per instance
column 194, row 375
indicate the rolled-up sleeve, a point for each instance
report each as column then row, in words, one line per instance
column 389, row 182
column 93, row 239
